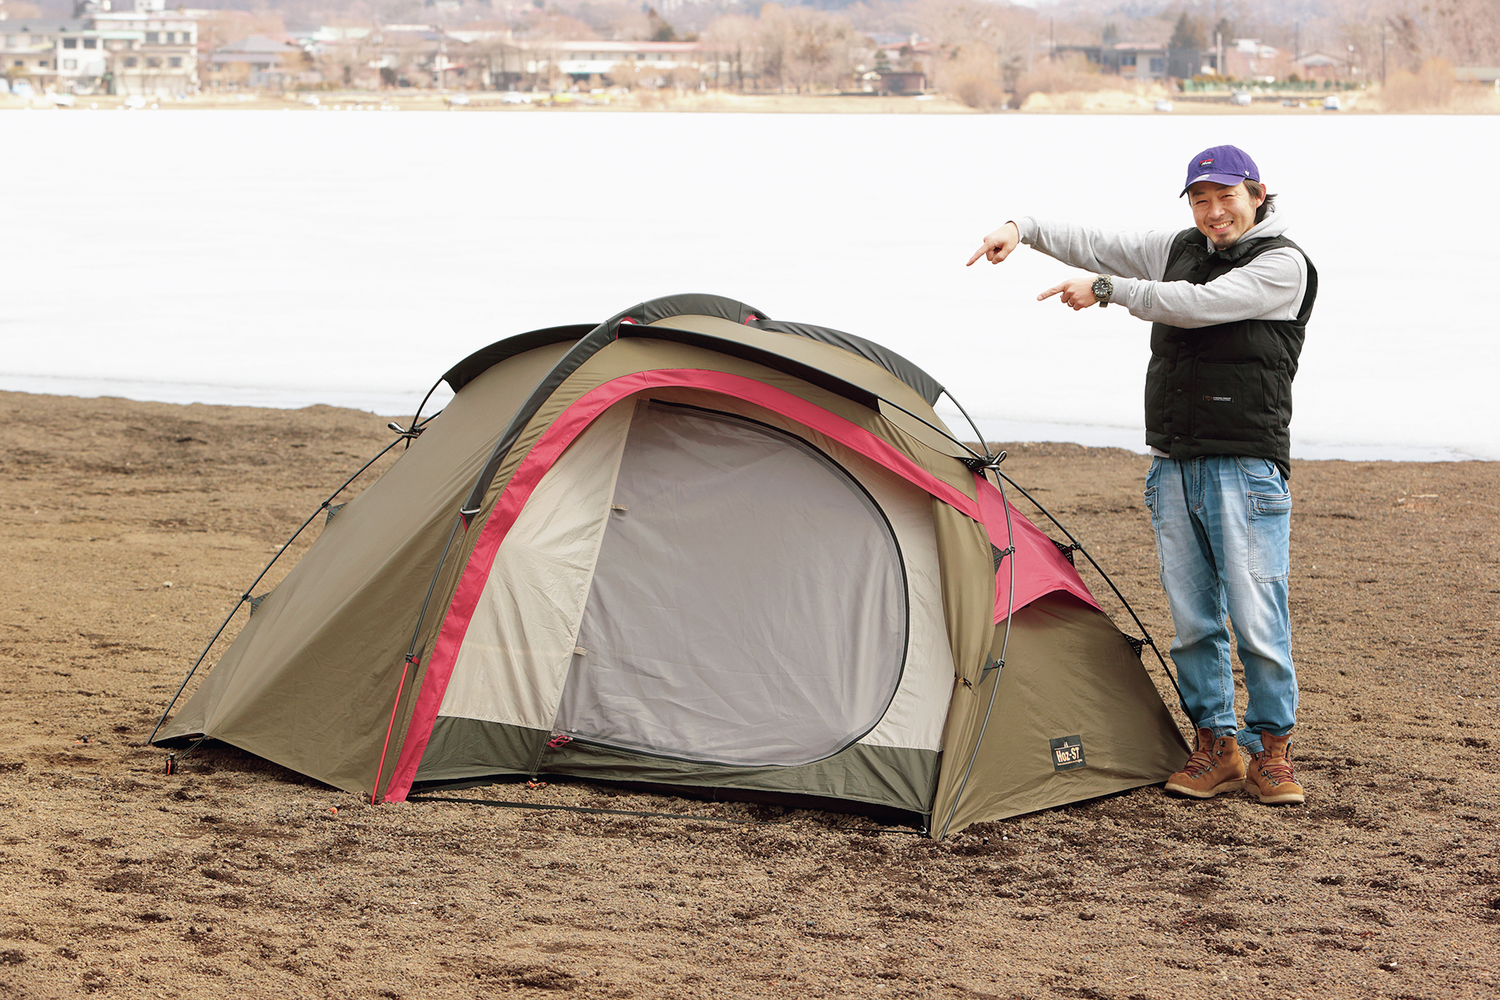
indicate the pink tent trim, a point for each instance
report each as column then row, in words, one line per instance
column 550, row 446
column 1040, row 567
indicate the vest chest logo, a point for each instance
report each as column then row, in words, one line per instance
column 1218, row 399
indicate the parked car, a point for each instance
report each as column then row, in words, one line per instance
column 512, row 97
column 1332, row 103
column 461, row 100
column 1164, row 105
column 1240, row 97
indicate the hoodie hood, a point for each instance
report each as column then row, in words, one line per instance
column 1274, row 224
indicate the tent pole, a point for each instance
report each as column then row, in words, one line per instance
column 1181, row 701
column 1010, row 602
column 411, row 652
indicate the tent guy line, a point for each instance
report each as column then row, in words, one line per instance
column 1077, row 546
column 245, row 595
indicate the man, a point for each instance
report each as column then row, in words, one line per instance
column 1228, row 302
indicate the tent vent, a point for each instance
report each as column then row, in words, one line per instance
column 255, row 603
column 1136, row 645
column 1066, row 550
column 997, row 555
column 333, row 511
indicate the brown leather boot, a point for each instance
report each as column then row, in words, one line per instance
column 1271, row 778
column 1215, row 766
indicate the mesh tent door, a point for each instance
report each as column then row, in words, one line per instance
column 749, row 602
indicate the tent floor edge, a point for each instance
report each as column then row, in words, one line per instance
column 790, row 801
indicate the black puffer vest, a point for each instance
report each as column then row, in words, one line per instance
column 1225, row 389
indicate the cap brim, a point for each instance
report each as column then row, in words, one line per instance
column 1226, row 179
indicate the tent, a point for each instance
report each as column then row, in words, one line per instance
column 694, row 548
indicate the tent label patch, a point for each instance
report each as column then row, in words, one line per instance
column 1067, row 753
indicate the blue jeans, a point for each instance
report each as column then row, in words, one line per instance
column 1223, row 533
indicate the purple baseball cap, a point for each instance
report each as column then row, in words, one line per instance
column 1222, row 165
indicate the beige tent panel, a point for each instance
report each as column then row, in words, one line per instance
column 322, row 656
column 1068, row 673
column 520, row 642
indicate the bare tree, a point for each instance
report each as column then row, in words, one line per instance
column 981, row 48
column 733, row 39
column 350, row 60
column 822, row 48
column 776, row 36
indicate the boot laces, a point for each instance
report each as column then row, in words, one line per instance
column 1201, row 762
column 1277, row 769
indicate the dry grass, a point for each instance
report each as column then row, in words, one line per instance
column 1433, row 90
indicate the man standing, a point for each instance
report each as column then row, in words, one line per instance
column 1228, row 302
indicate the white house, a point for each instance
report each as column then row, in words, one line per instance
column 165, row 61
column 28, row 49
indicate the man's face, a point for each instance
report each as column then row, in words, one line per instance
column 1223, row 213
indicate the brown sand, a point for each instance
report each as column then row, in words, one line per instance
column 131, row 528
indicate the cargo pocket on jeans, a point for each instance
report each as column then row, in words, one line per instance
column 1149, row 495
column 1150, row 492
column 1270, row 536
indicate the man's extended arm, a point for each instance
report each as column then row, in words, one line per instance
column 1129, row 255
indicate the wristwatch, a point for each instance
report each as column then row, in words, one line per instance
column 1104, row 290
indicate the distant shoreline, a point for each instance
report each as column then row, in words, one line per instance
column 1026, row 436
column 720, row 101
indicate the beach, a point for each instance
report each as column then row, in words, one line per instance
column 132, row 528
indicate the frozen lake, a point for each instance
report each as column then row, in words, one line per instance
column 285, row 259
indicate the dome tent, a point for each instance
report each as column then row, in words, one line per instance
column 697, row 548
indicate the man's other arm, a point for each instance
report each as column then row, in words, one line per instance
column 1271, row 286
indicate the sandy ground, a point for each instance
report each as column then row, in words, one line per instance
column 130, row 529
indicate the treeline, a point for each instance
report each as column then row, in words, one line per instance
column 985, row 51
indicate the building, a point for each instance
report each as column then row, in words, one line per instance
column 547, row 63
column 1485, row 76
column 1250, row 59
column 29, row 51
column 1321, row 66
column 255, row 63
column 73, row 55
column 900, row 81
column 164, row 62
column 1143, row 61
